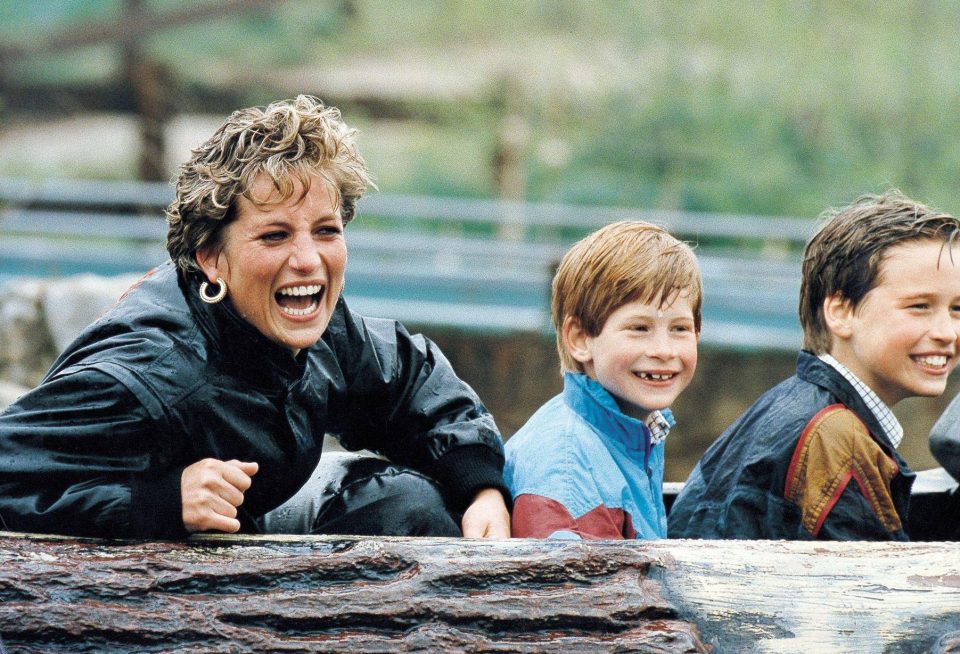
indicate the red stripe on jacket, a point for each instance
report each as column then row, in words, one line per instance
column 535, row 516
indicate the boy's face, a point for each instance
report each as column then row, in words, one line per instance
column 645, row 355
column 902, row 339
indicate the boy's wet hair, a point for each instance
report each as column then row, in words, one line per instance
column 845, row 255
column 623, row 262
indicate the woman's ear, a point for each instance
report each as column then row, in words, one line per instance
column 838, row 314
column 207, row 258
column 576, row 340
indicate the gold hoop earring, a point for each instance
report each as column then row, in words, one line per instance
column 216, row 297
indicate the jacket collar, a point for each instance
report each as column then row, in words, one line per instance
column 239, row 347
column 891, row 426
column 597, row 406
column 811, row 368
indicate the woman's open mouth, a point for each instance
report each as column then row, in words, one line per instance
column 299, row 301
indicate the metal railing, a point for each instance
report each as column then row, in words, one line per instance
column 468, row 264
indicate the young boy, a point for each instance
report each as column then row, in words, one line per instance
column 815, row 457
column 589, row 463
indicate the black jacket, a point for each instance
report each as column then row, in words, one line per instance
column 162, row 381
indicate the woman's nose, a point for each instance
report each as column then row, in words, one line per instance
column 305, row 255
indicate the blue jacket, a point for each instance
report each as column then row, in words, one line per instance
column 807, row 460
column 580, row 468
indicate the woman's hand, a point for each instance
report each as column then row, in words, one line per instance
column 487, row 516
column 210, row 492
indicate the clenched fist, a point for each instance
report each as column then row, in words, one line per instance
column 211, row 490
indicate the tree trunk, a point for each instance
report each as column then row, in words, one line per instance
column 311, row 594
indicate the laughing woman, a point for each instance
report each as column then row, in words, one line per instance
column 201, row 400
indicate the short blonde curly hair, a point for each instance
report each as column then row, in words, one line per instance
column 286, row 141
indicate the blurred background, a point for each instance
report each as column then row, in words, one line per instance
column 498, row 133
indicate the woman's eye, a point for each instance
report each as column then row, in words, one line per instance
column 273, row 236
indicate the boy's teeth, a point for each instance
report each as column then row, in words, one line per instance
column 301, row 290
column 649, row 375
column 937, row 361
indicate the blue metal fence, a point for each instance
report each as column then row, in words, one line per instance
column 469, row 264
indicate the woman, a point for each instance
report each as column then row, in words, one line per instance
column 200, row 401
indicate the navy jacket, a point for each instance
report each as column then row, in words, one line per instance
column 162, row 381
column 807, row 460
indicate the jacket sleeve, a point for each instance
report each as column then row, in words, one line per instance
column 840, row 479
column 854, row 518
column 80, row 455
column 406, row 402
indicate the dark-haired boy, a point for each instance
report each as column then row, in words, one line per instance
column 815, row 457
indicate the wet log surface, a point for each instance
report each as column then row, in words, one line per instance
column 313, row 594
column 324, row 594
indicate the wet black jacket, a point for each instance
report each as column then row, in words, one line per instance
column 162, row 381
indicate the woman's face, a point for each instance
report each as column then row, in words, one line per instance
column 283, row 262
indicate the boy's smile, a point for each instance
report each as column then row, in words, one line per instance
column 902, row 339
column 644, row 355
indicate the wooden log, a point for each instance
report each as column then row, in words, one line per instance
column 274, row 594
column 779, row 596
column 311, row 594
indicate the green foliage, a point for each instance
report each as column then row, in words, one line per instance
column 772, row 107
column 429, row 159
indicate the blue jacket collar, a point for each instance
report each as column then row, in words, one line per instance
column 597, row 406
